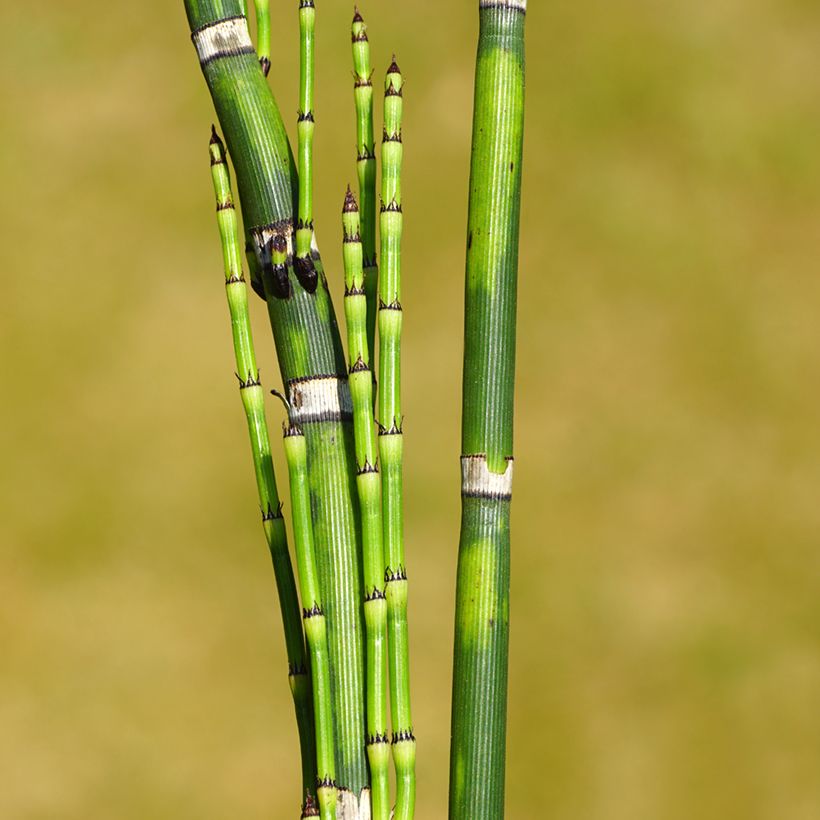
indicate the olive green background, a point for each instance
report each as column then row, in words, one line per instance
column 665, row 647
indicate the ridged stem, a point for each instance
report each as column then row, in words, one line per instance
column 253, row 402
column 391, row 447
column 477, row 754
column 314, row 620
column 307, row 343
column 368, row 482
column 366, row 168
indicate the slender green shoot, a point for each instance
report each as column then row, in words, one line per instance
column 369, row 485
column 366, row 168
column 391, row 446
column 263, row 34
column 479, row 715
column 253, row 401
column 303, row 261
column 314, row 619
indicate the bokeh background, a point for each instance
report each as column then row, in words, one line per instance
column 666, row 584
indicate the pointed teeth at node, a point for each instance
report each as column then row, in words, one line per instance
column 357, row 18
column 394, row 68
column 350, row 206
column 214, row 136
column 279, row 244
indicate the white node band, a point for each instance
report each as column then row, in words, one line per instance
column 478, row 482
column 223, row 39
column 518, row 5
column 323, row 398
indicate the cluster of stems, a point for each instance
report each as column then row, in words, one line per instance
column 347, row 531
column 348, row 649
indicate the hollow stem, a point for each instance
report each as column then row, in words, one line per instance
column 314, row 620
column 478, row 728
column 253, row 402
column 366, row 168
column 368, row 481
column 391, row 447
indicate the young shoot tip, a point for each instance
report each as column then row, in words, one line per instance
column 350, row 206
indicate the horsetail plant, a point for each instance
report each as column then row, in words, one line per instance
column 314, row 619
column 346, row 480
column 368, row 481
column 250, row 388
column 309, row 350
column 391, row 445
column 479, row 717
column 366, row 167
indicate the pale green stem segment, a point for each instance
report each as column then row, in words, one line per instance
column 366, row 168
column 253, row 402
column 314, row 620
column 391, row 447
column 304, row 129
column 368, row 481
column 263, row 34
column 479, row 716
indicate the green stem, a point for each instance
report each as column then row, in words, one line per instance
column 391, row 447
column 366, row 168
column 304, row 128
column 478, row 733
column 370, row 501
column 262, row 33
column 253, row 402
column 314, row 619
column 308, row 345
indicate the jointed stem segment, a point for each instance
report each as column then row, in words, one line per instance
column 303, row 261
column 368, row 481
column 253, row 402
column 366, row 168
column 391, row 446
column 314, row 619
column 263, row 34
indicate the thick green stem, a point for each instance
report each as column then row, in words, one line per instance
column 314, row 618
column 391, row 447
column 366, row 168
column 308, row 345
column 253, row 402
column 477, row 753
column 370, row 502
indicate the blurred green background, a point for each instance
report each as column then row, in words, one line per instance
column 665, row 654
